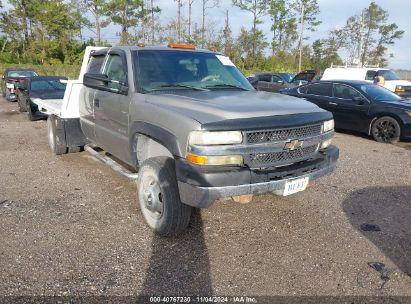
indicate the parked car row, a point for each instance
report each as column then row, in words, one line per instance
column 274, row 82
column 24, row 86
column 356, row 103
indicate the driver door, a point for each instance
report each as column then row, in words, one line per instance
column 349, row 107
column 111, row 107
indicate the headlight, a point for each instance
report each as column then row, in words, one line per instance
column 325, row 144
column 328, row 125
column 205, row 138
column 408, row 113
column 399, row 89
column 233, row 160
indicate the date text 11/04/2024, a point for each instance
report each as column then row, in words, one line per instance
column 200, row 299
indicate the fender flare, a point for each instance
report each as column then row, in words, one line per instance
column 156, row 133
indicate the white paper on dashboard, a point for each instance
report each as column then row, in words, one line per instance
column 225, row 60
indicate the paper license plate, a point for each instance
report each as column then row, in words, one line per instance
column 10, row 85
column 295, row 186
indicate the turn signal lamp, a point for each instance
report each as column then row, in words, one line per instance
column 219, row 160
column 141, row 44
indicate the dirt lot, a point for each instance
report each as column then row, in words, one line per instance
column 71, row 226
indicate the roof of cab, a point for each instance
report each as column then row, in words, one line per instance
column 154, row 48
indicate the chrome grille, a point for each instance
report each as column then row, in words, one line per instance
column 283, row 134
column 260, row 160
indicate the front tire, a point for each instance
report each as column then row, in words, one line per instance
column 30, row 112
column 159, row 197
column 55, row 134
column 22, row 102
column 7, row 95
column 386, row 130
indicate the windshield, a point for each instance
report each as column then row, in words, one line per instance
column 21, row 74
column 378, row 93
column 163, row 70
column 288, row 77
column 47, row 85
column 388, row 75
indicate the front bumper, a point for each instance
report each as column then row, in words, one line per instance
column 405, row 95
column 35, row 111
column 11, row 96
column 406, row 131
column 201, row 188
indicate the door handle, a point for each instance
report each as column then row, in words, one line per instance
column 333, row 104
column 97, row 102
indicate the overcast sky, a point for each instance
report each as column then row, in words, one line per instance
column 333, row 14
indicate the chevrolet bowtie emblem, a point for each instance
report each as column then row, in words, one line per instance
column 293, row 145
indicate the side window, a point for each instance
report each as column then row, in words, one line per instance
column 321, row 89
column 116, row 71
column 276, row 79
column 370, row 75
column 264, row 77
column 344, row 92
column 95, row 64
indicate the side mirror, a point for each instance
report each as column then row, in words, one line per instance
column 103, row 83
column 280, row 81
column 253, row 81
column 96, row 81
column 360, row 100
column 118, row 87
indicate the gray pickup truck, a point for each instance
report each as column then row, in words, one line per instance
column 195, row 130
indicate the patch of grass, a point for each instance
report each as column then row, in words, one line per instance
column 69, row 71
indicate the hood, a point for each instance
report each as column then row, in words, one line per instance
column 218, row 105
column 399, row 82
column 47, row 94
column 391, row 84
column 404, row 103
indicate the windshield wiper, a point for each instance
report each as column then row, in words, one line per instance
column 164, row 86
column 224, row 86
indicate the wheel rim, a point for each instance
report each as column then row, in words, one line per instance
column 385, row 130
column 151, row 197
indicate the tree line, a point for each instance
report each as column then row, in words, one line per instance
column 52, row 31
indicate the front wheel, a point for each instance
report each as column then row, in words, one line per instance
column 386, row 129
column 7, row 95
column 30, row 113
column 159, row 197
column 22, row 103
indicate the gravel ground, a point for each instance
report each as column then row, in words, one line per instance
column 71, row 226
